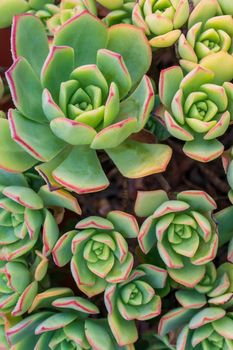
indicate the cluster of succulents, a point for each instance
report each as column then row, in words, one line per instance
column 205, row 316
column 84, row 89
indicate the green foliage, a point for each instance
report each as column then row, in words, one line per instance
column 86, row 78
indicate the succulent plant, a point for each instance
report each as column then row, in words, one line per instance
column 205, row 326
column 83, row 108
column 182, row 229
column 68, row 9
column 217, row 284
column 24, row 214
column 22, row 286
column 161, row 20
column 98, row 251
column 134, row 299
column 52, row 15
column 197, row 109
column 68, row 327
column 206, row 283
column 208, row 41
column 45, row 13
column 10, row 8
column 122, row 14
column 17, row 290
column 208, row 329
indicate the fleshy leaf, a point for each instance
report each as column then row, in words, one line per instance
column 17, row 249
column 12, row 156
column 85, row 280
column 203, row 150
column 57, row 68
column 77, row 304
column 120, row 272
column 44, row 299
column 25, row 299
column 201, row 334
column 29, row 40
column 10, row 179
column 24, row 196
column 11, row 8
column 173, row 318
column 56, row 321
column 50, row 108
column 195, row 79
column 41, row 268
column 114, row 69
column 221, row 73
column 19, row 331
column 135, row 160
column 60, row 198
column 131, row 43
column 169, row 83
column 155, row 276
column 203, row 11
column 22, row 80
column 115, row 134
column 112, row 105
column 189, row 275
column 147, row 236
column 50, row 232
column 118, row 326
column 190, row 299
column 139, row 104
column 124, row 223
column 37, row 139
column 87, row 175
column 73, row 132
column 170, row 206
column 85, row 34
column 225, row 225
column 224, row 327
column 96, row 222
column 165, row 40
column 97, row 335
column 148, row 201
column 206, row 316
column 62, row 253
column 111, row 5
column 227, row 6
column 46, row 169
column 175, row 129
column 198, row 200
